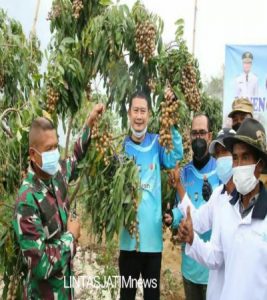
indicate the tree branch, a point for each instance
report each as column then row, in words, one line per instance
column 68, row 137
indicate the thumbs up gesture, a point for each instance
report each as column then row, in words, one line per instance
column 186, row 230
column 168, row 215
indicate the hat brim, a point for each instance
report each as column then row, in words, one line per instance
column 230, row 141
column 212, row 145
column 247, row 60
column 238, row 110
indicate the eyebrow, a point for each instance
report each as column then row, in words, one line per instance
column 140, row 107
column 243, row 153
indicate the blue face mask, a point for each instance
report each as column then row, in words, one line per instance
column 224, row 168
column 49, row 161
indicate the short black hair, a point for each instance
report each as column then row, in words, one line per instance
column 39, row 124
column 200, row 114
column 142, row 95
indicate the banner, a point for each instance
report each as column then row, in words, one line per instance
column 246, row 76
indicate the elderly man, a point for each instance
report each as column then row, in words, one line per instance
column 45, row 231
column 240, row 230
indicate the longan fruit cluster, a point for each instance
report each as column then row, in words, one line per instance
column 145, row 39
column 151, row 84
column 187, row 145
column 52, row 99
column 77, row 6
column 54, row 12
column 169, row 117
column 189, row 88
column 102, row 142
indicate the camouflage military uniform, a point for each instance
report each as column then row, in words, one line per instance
column 40, row 223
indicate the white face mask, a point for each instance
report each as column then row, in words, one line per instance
column 244, row 178
column 139, row 134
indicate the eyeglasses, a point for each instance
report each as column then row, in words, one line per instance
column 200, row 133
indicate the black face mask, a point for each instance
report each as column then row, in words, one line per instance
column 199, row 147
column 236, row 126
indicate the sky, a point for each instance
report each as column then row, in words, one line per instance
column 219, row 22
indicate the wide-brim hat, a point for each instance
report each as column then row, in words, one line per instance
column 241, row 105
column 252, row 133
column 223, row 133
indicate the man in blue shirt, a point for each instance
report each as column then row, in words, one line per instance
column 199, row 178
column 150, row 156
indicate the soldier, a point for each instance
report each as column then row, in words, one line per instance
column 242, row 108
column 247, row 82
column 45, row 231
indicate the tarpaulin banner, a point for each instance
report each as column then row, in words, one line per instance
column 245, row 76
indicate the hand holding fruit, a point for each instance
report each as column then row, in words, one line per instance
column 97, row 110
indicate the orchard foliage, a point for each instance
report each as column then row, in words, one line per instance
column 99, row 52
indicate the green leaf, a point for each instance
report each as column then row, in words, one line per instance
column 19, row 136
column 68, row 40
column 179, row 22
column 105, row 2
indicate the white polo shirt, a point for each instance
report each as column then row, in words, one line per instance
column 240, row 244
column 203, row 220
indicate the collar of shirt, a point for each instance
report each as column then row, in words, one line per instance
column 37, row 183
column 245, row 211
column 232, row 194
column 260, row 207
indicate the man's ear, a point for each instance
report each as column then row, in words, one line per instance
column 260, row 166
column 32, row 154
column 210, row 136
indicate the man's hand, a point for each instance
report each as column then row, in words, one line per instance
column 97, row 111
column 174, row 176
column 168, row 216
column 175, row 181
column 206, row 189
column 186, row 231
column 73, row 226
column 169, row 94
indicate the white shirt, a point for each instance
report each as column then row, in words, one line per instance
column 247, row 85
column 203, row 220
column 240, row 244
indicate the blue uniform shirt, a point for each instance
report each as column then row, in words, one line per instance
column 192, row 180
column 150, row 156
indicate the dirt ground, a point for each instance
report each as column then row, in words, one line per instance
column 172, row 261
column 171, row 280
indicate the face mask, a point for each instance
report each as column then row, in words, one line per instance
column 49, row 161
column 244, row 178
column 236, row 126
column 224, row 168
column 199, row 147
column 138, row 134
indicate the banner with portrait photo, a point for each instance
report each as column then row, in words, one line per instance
column 245, row 76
